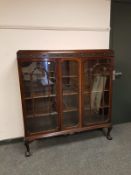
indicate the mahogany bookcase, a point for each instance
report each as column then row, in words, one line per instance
column 65, row 91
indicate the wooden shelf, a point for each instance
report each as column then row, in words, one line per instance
column 26, row 73
column 101, row 107
column 102, row 74
column 70, row 76
column 89, row 92
column 48, row 96
column 70, row 93
column 51, row 95
column 36, row 74
column 40, row 114
column 64, row 76
column 40, row 96
column 70, row 109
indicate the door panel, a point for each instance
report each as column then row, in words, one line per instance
column 41, row 111
column 96, row 91
column 70, row 93
column 120, row 42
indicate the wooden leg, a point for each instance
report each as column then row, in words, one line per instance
column 108, row 136
column 27, row 153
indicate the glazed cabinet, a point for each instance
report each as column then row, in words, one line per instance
column 64, row 92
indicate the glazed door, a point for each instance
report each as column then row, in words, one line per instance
column 70, row 93
column 39, row 91
column 97, row 87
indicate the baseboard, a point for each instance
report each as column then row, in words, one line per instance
column 13, row 140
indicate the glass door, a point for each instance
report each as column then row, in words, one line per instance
column 96, row 94
column 70, row 93
column 39, row 84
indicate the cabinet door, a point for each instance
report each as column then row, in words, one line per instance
column 97, row 83
column 39, row 96
column 70, row 93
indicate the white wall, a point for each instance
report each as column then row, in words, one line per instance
column 43, row 24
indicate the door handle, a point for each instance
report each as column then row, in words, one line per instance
column 116, row 74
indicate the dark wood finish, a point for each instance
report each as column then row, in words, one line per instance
column 108, row 133
column 64, row 92
column 27, row 153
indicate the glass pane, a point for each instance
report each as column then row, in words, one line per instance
column 70, row 118
column 41, row 123
column 96, row 108
column 39, row 78
column 70, row 76
column 96, row 92
column 70, row 88
column 107, row 83
column 88, row 67
column 40, row 95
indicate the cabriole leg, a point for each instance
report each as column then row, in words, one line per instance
column 108, row 136
column 27, row 153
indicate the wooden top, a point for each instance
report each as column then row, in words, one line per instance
column 64, row 53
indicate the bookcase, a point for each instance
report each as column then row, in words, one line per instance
column 64, row 92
